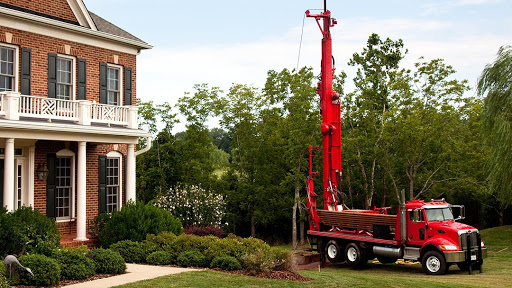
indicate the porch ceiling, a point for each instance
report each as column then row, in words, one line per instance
column 42, row 130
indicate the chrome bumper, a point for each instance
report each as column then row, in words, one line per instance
column 460, row 256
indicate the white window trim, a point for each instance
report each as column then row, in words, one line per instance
column 71, row 217
column 116, row 154
column 16, row 64
column 73, row 73
column 120, row 101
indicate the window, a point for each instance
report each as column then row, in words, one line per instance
column 112, row 183
column 65, row 78
column 19, row 183
column 113, row 85
column 8, row 71
column 63, row 187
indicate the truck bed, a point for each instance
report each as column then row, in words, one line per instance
column 355, row 220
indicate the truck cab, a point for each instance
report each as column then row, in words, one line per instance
column 435, row 238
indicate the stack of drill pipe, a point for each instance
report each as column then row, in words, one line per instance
column 354, row 220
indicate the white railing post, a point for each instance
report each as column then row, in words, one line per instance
column 11, row 102
column 132, row 117
column 84, row 112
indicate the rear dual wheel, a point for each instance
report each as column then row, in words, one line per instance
column 334, row 252
column 356, row 256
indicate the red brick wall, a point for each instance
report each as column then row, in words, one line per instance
column 42, row 45
column 92, row 152
column 57, row 8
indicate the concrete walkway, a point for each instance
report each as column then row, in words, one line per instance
column 134, row 273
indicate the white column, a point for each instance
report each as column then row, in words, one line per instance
column 31, row 170
column 11, row 102
column 84, row 112
column 81, row 185
column 9, row 174
column 130, row 173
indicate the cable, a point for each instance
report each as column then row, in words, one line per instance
column 300, row 45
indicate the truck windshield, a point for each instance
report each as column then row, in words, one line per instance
column 439, row 214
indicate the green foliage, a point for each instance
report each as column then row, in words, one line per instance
column 282, row 259
column 193, row 205
column 236, row 247
column 108, row 261
column 192, row 258
column 73, row 264
column 160, row 242
column 3, row 282
column 46, row 270
column 226, row 263
column 497, row 119
column 188, row 242
column 135, row 221
column 131, row 251
column 256, row 262
column 98, row 223
column 160, row 258
column 24, row 225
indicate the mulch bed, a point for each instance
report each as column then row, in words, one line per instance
column 69, row 282
column 278, row 275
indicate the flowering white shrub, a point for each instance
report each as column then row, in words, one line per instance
column 194, row 206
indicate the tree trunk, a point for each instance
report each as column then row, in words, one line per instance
column 253, row 224
column 502, row 214
column 294, row 224
column 302, row 233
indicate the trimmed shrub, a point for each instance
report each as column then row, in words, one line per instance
column 46, row 270
column 98, row 223
column 236, row 247
column 258, row 261
column 24, row 225
column 74, row 265
column 160, row 258
column 205, row 231
column 188, row 242
column 160, row 242
column 135, row 221
column 108, row 261
column 226, row 263
column 3, row 282
column 282, row 259
column 132, row 252
column 192, row 259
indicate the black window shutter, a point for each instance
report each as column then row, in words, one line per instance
column 102, row 180
column 52, row 75
column 25, row 70
column 103, row 83
column 51, row 185
column 127, row 86
column 1, row 183
column 82, row 80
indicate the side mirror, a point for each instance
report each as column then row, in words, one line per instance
column 462, row 212
column 415, row 216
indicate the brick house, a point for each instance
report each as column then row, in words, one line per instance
column 68, row 120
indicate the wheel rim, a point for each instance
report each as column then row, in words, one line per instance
column 332, row 251
column 433, row 264
column 351, row 254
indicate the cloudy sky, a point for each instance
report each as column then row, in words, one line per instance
column 237, row 41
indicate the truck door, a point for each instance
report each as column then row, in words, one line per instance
column 416, row 230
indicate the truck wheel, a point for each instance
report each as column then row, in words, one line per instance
column 356, row 256
column 333, row 251
column 433, row 263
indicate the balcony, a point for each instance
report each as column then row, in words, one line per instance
column 83, row 112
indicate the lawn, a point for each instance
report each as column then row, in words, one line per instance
column 497, row 273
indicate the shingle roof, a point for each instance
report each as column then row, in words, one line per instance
column 107, row 27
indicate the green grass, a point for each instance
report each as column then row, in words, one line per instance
column 497, row 273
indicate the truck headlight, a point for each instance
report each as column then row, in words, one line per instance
column 448, row 247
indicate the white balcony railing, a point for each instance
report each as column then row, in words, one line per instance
column 83, row 112
column 48, row 108
column 109, row 114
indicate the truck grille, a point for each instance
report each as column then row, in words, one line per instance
column 473, row 240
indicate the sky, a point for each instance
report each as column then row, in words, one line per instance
column 237, row 41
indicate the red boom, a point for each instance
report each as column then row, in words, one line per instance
column 331, row 124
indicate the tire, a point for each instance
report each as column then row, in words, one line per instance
column 333, row 251
column 386, row 260
column 433, row 263
column 356, row 257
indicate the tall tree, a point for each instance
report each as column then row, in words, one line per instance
column 496, row 84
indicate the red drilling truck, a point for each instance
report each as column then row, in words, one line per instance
column 421, row 231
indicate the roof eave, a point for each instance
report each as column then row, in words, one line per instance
column 78, row 29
